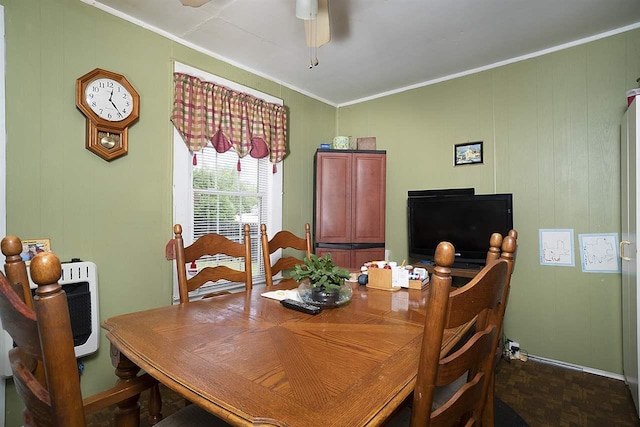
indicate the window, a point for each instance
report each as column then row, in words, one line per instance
column 214, row 197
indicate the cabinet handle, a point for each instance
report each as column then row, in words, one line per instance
column 622, row 243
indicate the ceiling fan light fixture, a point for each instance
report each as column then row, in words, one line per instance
column 306, row 9
column 194, row 3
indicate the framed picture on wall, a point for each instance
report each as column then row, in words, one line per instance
column 32, row 247
column 467, row 154
column 556, row 247
column 599, row 253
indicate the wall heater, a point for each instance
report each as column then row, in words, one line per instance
column 79, row 280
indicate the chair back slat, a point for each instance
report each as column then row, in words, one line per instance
column 213, row 274
column 455, row 364
column 464, row 300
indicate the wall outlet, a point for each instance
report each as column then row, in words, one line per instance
column 514, row 350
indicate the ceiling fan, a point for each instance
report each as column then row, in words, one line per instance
column 315, row 14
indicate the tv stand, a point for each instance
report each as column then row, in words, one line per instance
column 460, row 272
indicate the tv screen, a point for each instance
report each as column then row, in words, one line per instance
column 467, row 221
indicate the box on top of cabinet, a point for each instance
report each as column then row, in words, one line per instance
column 367, row 143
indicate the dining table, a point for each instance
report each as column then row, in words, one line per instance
column 251, row 361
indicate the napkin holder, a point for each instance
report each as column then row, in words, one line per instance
column 381, row 278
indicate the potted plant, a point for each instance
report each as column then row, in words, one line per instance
column 324, row 278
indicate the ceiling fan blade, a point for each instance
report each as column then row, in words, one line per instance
column 193, row 3
column 318, row 31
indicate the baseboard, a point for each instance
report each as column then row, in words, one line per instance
column 584, row 369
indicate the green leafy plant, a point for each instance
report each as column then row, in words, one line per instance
column 321, row 273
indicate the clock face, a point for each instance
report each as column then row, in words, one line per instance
column 109, row 99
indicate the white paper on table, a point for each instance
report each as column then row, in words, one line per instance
column 281, row 294
column 399, row 277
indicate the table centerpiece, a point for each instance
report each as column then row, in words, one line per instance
column 322, row 282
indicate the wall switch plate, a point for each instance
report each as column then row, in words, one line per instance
column 514, row 350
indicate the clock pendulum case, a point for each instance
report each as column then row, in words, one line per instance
column 111, row 105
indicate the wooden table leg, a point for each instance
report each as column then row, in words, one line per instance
column 127, row 413
column 155, row 405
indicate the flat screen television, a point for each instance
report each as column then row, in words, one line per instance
column 467, row 221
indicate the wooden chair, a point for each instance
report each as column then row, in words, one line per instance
column 283, row 240
column 43, row 335
column 210, row 245
column 452, row 390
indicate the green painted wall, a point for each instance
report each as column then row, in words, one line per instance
column 550, row 128
column 551, row 131
column 117, row 214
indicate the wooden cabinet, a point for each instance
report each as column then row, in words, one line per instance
column 350, row 199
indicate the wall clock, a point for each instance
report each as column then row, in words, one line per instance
column 111, row 105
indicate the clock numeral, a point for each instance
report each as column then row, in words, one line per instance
column 95, row 89
column 119, row 115
column 93, row 104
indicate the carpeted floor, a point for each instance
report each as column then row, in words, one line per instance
column 549, row 395
column 541, row 394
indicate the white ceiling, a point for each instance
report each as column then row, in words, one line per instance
column 378, row 46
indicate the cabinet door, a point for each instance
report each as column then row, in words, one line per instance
column 369, row 195
column 354, row 258
column 361, row 256
column 333, row 197
column 340, row 257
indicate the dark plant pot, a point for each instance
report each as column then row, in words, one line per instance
column 325, row 297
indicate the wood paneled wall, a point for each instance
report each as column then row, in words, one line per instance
column 551, row 131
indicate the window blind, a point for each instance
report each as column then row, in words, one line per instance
column 225, row 199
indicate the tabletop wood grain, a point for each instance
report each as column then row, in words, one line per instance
column 251, row 361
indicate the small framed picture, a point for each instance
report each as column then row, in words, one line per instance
column 467, row 154
column 32, row 247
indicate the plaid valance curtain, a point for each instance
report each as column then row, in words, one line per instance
column 204, row 113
